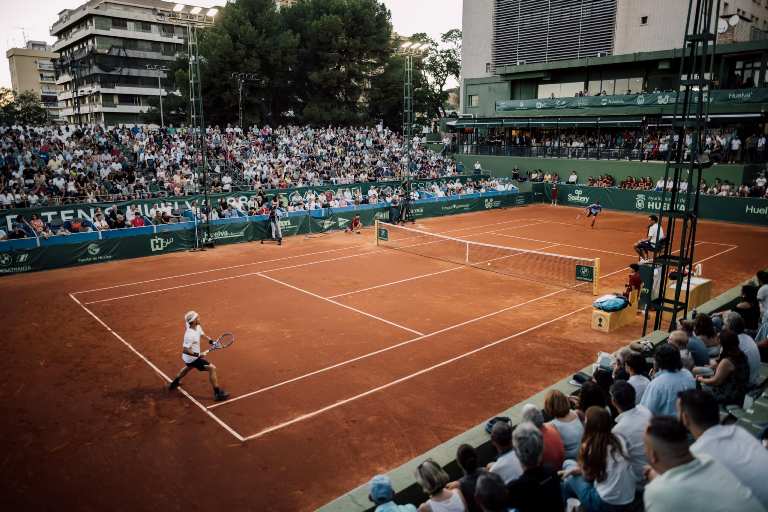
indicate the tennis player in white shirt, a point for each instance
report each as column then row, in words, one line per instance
column 194, row 358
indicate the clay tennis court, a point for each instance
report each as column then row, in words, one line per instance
column 350, row 359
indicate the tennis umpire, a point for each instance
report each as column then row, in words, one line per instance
column 193, row 357
column 274, row 221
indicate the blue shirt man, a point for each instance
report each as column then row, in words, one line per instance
column 660, row 396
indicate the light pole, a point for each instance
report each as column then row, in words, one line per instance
column 242, row 78
column 408, row 50
column 160, row 69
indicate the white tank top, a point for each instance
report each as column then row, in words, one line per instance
column 453, row 504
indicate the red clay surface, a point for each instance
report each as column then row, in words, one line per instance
column 88, row 424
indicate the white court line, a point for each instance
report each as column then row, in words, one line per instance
column 370, row 315
column 438, row 273
column 159, row 371
column 407, row 377
column 375, row 250
column 279, row 259
column 428, row 369
column 569, row 245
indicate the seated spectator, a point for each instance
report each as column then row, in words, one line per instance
column 705, row 331
column 630, row 426
column 99, row 222
column 734, row 321
column 730, row 445
column 383, row 495
column 3, row 235
column 670, row 378
column 507, row 465
column 567, row 422
column 553, row 451
column 602, row 479
column 679, row 481
column 119, row 222
column 696, row 347
column 158, row 218
column 466, row 458
column 593, row 393
column 637, row 368
column 749, row 307
column 490, row 493
column 137, row 221
column 433, row 481
column 573, row 178
column 679, row 339
column 731, row 377
column 762, row 293
column 538, row 488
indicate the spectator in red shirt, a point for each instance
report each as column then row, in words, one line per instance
column 634, row 282
column 137, row 221
column 553, row 450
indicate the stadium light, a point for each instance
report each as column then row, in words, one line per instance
column 178, row 7
column 196, row 10
column 212, row 13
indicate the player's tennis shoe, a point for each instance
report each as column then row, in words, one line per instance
column 220, row 395
column 174, row 384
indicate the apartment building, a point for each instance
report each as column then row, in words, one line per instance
column 32, row 70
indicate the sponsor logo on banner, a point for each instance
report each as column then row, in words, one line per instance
column 94, row 249
column 5, row 259
column 491, row 203
column 456, row 206
column 224, row 234
column 640, row 201
column 94, row 254
column 578, row 197
column 755, row 210
column 159, row 244
column 11, row 263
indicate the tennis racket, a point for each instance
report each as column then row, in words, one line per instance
column 223, row 341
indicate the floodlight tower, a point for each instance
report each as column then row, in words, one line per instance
column 242, row 78
column 194, row 18
column 160, row 70
column 409, row 50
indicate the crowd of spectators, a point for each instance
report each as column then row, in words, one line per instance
column 637, row 436
column 54, row 165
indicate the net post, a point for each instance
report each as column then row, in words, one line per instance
column 376, row 230
column 596, row 279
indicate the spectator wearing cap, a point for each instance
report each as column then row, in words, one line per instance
column 679, row 481
column 636, row 368
column 538, row 488
column 566, row 421
column 383, row 495
column 490, row 493
column 553, row 451
column 732, row 446
column 507, row 465
column 434, row 481
column 660, row 396
column 466, row 458
column 733, row 321
column 630, row 426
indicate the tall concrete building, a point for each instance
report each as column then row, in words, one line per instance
column 505, row 38
column 113, row 52
column 32, row 70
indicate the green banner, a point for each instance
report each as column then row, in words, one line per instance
column 722, row 96
column 86, row 210
column 746, row 210
column 124, row 244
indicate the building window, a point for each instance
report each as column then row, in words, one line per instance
column 119, row 23
column 487, row 67
column 644, row 20
column 473, row 100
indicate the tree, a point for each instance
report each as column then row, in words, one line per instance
column 25, row 108
column 6, row 106
column 442, row 62
column 343, row 45
column 175, row 110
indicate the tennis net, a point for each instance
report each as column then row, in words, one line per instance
column 582, row 274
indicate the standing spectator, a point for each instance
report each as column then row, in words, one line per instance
column 670, row 378
column 630, row 426
column 434, row 480
column 735, row 322
column 602, row 479
column 679, row 481
column 538, row 488
column 553, row 451
column 730, row 445
column 636, row 367
column 566, row 421
column 507, row 465
column 382, row 495
column 731, row 378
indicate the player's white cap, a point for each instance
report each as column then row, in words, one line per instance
column 190, row 317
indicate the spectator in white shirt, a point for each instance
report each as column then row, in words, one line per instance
column 730, row 445
column 603, row 478
column 507, row 465
column 573, row 178
column 636, row 368
column 630, row 426
column 679, row 481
